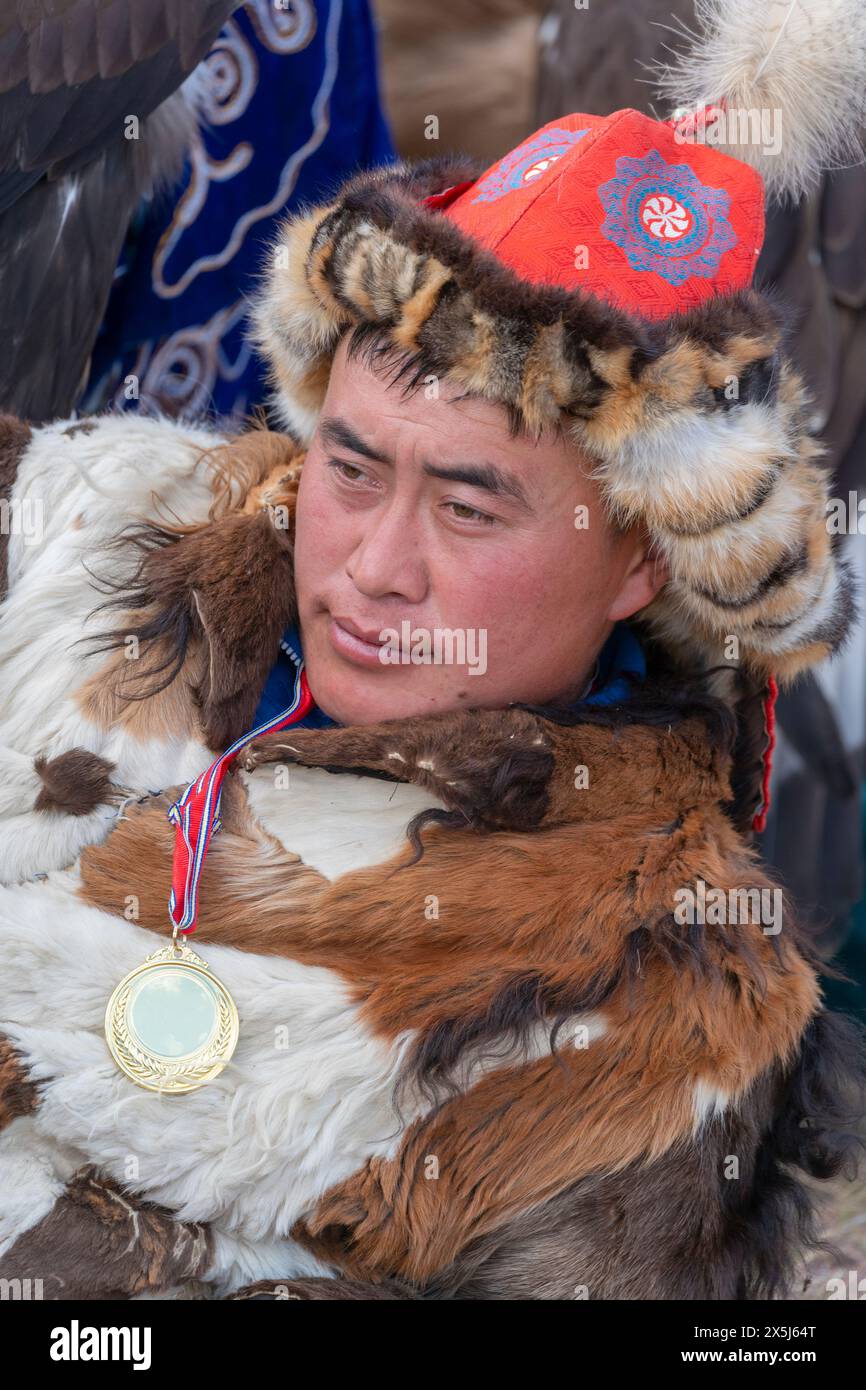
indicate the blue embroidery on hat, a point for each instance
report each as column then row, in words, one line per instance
column 665, row 219
column 527, row 163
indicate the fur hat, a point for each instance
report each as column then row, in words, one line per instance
column 597, row 279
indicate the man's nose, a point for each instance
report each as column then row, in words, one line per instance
column 389, row 559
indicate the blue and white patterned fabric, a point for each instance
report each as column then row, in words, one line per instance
column 293, row 110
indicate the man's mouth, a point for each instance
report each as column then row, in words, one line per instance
column 354, row 642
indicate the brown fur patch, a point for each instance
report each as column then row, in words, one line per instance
column 547, row 382
column 18, row 1094
column 678, row 1228
column 510, row 769
column 84, row 427
column 252, row 470
column 317, row 262
column 139, row 851
column 100, row 1241
column 418, row 309
column 237, row 582
column 209, row 604
column 112, row 695
column 74, row 783
column 312, row 385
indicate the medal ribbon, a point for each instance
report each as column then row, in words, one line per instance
column 196, row 813
column 759, row 820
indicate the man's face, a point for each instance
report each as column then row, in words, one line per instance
column 480, row 564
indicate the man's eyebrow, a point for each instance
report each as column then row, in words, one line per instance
column 483, row 475
column 340, row 434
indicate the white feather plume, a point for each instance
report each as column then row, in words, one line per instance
column 803, row 62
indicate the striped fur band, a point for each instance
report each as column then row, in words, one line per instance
column 697, row 424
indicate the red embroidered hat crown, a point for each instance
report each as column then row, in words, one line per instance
column 638, row 212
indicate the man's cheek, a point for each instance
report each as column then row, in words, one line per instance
column 320, row 531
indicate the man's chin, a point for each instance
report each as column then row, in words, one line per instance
column 356, row 695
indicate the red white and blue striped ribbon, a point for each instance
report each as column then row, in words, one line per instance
column 196, row 813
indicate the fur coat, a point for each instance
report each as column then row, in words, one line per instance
column 480, row 1054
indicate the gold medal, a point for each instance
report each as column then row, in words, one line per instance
column 171, row 1025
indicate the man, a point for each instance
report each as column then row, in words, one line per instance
column 426, row 513
column 567, row 1041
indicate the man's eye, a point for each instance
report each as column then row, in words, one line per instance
column 350, row 471
column 467, row 513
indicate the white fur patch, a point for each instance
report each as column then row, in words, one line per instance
column 34, row 843
column 125, row 470
column 34, row 1169
column 335, row 822
column 84, row 488
column 800, row 61
column 687, row 459
column 709, row 1101
column 306, row 1100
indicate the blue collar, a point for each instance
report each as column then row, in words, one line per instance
column 621, row 666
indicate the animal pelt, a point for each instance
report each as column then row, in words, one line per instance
column 800, row 62
column 480, row 1054
column 74, row 678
